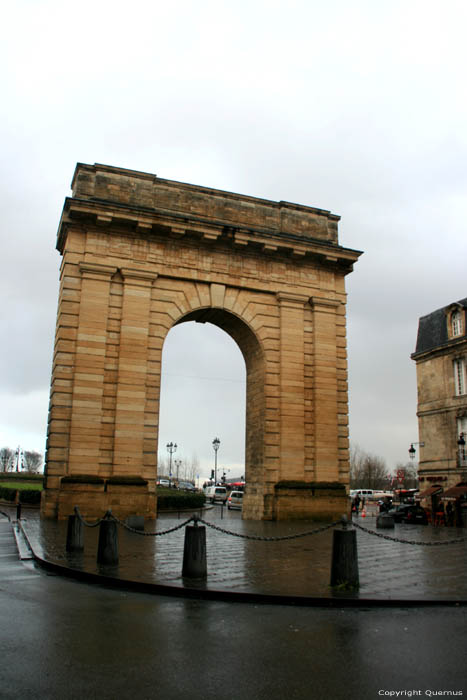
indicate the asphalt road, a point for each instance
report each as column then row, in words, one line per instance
column 61, row 640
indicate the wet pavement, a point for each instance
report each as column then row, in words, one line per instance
column 63, row 639
column 432, row 568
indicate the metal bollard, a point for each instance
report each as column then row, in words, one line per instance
column 344, row 567
column 74, row 534
column 385, row 521
column 107, row 548
column 194, row 553
column 18, row 511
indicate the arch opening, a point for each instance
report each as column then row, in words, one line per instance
column 254, row 403
column 203, row 382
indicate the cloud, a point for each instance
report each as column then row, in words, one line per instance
column 359, row 109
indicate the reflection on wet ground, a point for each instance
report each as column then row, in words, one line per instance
column 295, row 567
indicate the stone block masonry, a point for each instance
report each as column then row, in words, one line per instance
column 141, row 254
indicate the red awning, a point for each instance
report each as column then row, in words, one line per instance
column 430, row 492
column 455, row 491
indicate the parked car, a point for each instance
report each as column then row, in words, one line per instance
column 235, row 500
column 163, row 482
column 186, row 486
column 407, row 513
column 216, row 494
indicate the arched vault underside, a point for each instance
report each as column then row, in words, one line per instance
column 140, row 255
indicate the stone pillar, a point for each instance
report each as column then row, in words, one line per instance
column 325, row 389
column 292, row 385
column 132, row 370
column 88, row 385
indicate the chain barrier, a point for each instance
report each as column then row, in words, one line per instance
column 397, row 539
column 81, row 519
column 196, row 519
column 262, row 538
column 151, row 534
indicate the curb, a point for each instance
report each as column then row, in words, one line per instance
column 110, row 581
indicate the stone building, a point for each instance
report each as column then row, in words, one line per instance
column 441, row 362
column 141, row 254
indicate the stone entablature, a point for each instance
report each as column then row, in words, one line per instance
column 179, row 209
column 141, row 255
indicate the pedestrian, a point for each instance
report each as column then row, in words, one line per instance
column 449, row 514
column 356, row 503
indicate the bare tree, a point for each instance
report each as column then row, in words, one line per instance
column 32, row 461
column 367, row 471
column 6, row 459
column 162, row 465
column 193, row 468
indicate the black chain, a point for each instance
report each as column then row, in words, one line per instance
column 397, row 539
column 268, row 539
column 98, row 522
column 259, row 538
column 196, row 520
column 151, row 534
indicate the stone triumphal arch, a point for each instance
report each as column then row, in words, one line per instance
column 141, row 254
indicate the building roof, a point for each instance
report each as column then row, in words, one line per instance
column 432, row 329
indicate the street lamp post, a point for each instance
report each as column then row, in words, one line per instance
column 19, row 459
column 215, row 443
column 171, row 448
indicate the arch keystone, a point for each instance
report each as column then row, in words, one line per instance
column 217, row 295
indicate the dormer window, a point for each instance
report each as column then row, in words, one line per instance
column 456, row 324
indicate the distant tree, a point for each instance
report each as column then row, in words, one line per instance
column 193, row 468
column 32, row 461
column 367, row 471
column 6, row 459
column 162, row 466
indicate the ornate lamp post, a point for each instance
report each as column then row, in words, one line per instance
column 215, row 443
column 19, row 459
column 171, row 448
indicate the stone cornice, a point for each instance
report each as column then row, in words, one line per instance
column 156, row 222
column 454, row 347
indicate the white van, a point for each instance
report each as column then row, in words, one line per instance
column 362, row 493
column 216, row 493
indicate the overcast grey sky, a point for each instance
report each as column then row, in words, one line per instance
column 357, row 107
